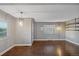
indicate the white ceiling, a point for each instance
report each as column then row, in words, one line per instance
column 43, row 12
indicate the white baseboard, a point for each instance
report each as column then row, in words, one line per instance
column 23, row 45
column 72, row 42
column 47, row 39
column 1, row 53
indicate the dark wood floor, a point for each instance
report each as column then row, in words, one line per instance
column 45, row 48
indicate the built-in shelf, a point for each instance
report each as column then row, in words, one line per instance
column 72, row 25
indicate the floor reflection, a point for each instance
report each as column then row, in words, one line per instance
column 59, row 52
column 49, row 48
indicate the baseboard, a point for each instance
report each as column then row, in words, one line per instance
column 23, row 45
column 73, row 42
column 1, row 53
column 48, row 39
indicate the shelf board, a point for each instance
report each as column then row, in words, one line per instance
column 72, row 27
column 72, row 30
column 73, row 23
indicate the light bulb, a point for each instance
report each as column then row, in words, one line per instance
column 21, row 23
column 59, row 28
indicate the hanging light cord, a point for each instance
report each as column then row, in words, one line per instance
column 21, row 14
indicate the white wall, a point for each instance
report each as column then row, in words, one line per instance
column 72, row 36
column 23, row 33
column 32, row 30
column 9, row 40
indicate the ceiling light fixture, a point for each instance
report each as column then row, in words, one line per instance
column 59, row 28
column 21, row 19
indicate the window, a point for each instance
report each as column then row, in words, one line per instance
column 3, row 29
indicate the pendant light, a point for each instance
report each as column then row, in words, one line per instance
column 20, row 19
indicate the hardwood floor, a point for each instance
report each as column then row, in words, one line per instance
column 45, row 48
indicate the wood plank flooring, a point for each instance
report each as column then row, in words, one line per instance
column 45, row 48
